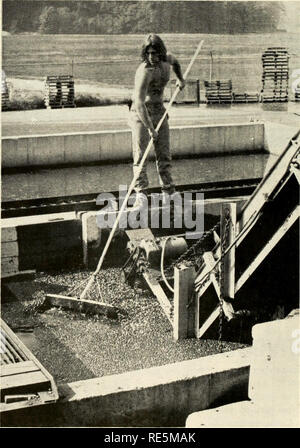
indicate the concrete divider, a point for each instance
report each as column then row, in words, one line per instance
column 111, row 146
column 277, row 137
column 159, row 396
column 275, row 368
column 28, row 243
column 9, row 251
column 273, row 382
column 91, row 234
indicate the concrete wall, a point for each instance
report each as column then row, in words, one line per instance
column 273, row 382
column 159, row 396
column 9, row 251
column 49, row 245
column 110, row 146
column 40, row 246
column 275, row 366
column 277, row 137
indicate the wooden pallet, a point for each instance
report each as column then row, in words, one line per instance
column 24, row 381
column 218, row 92
column 4, row 96
column 59, row 92
column 245, row 98
column 275, row 75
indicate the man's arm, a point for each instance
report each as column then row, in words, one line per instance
column 177, row 70
column 142, row 79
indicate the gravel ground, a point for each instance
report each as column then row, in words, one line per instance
column 74, row 346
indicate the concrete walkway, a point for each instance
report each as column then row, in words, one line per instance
column 91, row 119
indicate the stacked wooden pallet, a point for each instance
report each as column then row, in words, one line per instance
column 4, row 95
column 59, row 92
column 245, row 97
column 218, row 92
column 275, row 76
column 297, row 93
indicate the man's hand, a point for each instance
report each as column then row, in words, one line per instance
column 153, row 134
column 180, row 84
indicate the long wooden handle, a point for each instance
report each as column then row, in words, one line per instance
column 112, row 232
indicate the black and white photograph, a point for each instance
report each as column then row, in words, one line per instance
column 150, row 217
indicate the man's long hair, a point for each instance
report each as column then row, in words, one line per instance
column 153, row 40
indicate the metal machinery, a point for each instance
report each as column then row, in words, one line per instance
column 150, row 253
column 251, row 271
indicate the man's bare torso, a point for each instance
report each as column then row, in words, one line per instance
column 156, row 78
column 160, row 75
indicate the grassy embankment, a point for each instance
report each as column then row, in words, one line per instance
column 104, row 62
column 28, row 99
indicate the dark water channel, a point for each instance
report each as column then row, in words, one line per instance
column 105, row 178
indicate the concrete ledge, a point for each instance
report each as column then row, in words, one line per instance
column 275, row 369
column 8, row 233
column 277, row 137
column 38, row 242
column 91, row 234
column 8, row 225
column 9, row 251
column 245, row 414
column 9, row 265
column 110, row 146
column 159, row 396
column 273, row 382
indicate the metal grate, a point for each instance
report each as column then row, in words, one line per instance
column 24, row 380
column 9, row 352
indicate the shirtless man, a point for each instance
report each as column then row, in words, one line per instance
column 147, row 109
